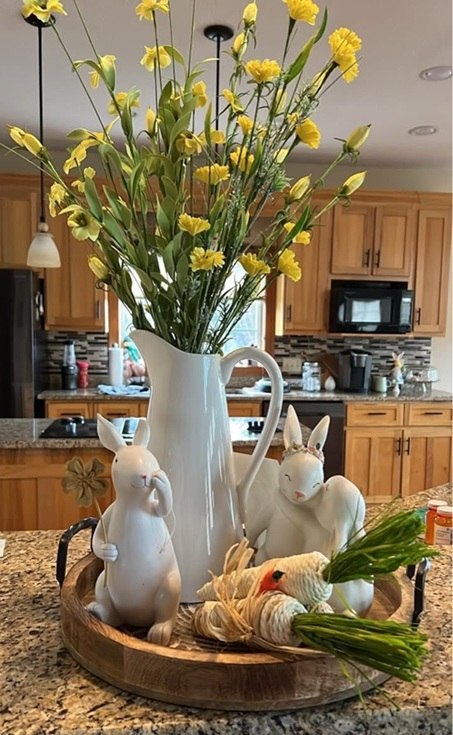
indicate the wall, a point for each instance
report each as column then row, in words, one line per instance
column 88, row 346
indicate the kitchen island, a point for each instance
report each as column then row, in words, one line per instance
column 45, row 692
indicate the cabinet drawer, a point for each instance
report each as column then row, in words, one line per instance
column 118, row 409
column 374, row 414
column 428, row 414
column 60, row 409
column 244, row 408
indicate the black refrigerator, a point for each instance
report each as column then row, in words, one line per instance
column 21, row 344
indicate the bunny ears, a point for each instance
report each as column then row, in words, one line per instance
column 292, row 436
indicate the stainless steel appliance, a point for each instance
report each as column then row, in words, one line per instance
column 354, row 370
column 71, row 427
column 22, row 340
column 370, row 307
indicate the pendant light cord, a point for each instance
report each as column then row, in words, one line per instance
column 42, row 217
column 217, row 82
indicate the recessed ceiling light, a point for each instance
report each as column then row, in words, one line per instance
column 436, row 73
column 423, row 130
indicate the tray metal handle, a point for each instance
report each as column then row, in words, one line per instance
column 62, row 553
column 420, row 573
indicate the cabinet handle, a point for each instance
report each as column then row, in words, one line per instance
column 378, row 259
column 376, row 413
column 407, row 450
column 289, row 313
column 115, row 414
column 366, row 258
column 433, row 413
column 418, row 316
column 98, row 309
column 398, row 446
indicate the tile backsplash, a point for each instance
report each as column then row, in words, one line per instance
column 91, row 346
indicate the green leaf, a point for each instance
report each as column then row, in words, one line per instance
column 78, row 134
column 299, row 62
column 176, row 55
column 163, row 222
column 134, row 180
column 182, row 269
column 207, row 125
column 109, row 155
column 91, row 195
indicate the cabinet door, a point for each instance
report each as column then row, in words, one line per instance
column 305, row 302
column 245, row 408
column 118, row 409
column 18, row 224
column 352, row 241
column 60, row 409
column 373, row 462
column 394, row 241
column 426, row 458
column 432, row 271
column 72, row 300
column 57, row 510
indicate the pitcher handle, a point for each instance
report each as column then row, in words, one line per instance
column 227, row 364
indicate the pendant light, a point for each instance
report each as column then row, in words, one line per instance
column 218, row 34
column 42, row 253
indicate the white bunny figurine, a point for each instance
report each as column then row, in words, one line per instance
column 309, row 514
column 396, row 373
column 144, row 583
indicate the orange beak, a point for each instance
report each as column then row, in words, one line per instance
column 271, row 580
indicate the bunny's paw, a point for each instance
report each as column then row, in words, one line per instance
column 108, row 552
column 161, row 482
column 160, row 633
column 106, row 613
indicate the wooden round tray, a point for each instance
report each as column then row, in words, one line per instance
column 199, row 673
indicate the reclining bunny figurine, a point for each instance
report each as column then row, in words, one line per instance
column 143, row 581
column 308, row 514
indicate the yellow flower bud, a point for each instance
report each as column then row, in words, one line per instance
column 150, row 121
column 357, row 138
column 249, row 14
column 298, row 189
column 239, row 45
column 99, row 268
column 26, row 140
column 281, row 155
column 352, row 184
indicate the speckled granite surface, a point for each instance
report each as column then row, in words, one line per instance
column 89, row 394
column 45, row 692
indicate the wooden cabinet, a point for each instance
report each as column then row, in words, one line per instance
column 305, row 302
column 61, row 409
column 120, row 409
column 397, row 449
column 370, row 240
column 88, row 409
column 19, row 218
column 72, row 300
column 244, row 408
column 432, row 271
column 31, row 493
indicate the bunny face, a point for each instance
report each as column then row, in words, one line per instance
column 132, row 469
column 301, row 477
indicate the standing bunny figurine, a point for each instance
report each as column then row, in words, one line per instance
column 396, row 373
column 144, row 584
column 309, row 514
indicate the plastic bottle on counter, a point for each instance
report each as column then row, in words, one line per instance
column 69, row 367
column 116, row 366
column 433, row 505
column 443, row 526
column 311, row 377
column 82, row 379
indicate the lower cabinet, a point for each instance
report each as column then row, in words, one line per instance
column 237, row 409
column 31, row 492
column 411, row 453
column 89, row 409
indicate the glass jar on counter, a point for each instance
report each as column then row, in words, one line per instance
column 433, row 505
column 443, row 526
column 311, row 376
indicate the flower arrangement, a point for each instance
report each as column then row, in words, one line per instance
column 175, row 203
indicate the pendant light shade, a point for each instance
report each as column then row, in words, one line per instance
column 42, row 253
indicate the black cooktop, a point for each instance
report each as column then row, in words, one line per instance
column 71, row 427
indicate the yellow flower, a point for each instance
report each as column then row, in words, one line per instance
column 245, row 123
column 151, row 121
column 99, row 268
column 239, row 45
column 233, row 100
column 107, row 63
column 78, row 154
column 26, row 140
column 121, row 98
column 217, row 137
column 155, row 54
column 344, row 44
column 189, row 144
column 242, row 159
column 212, row 174
column 357, row 138
column 205, row 260
column 199, row 92
column 82, row 223
column 351, row 184
column 57, row 196
column 253, row 266
column 263, row 71
column 193, row 225
column 302, row 238
column 145, row 9
column 298, row 189
column 42, row 10
column 305, row 10
column 289, row 266
column 249, row 14
column 308, row 133
column 88, row 173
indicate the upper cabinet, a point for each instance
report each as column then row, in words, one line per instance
column 373, row 240
column 18, row 222
column 72, row 300
column 432, row 270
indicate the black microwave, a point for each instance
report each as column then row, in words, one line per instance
column 370, row 307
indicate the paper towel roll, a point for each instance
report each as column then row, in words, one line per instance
column 116, row 365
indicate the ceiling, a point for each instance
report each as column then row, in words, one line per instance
column 399, row 40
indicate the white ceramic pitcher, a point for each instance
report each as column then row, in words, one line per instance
column 190, row 436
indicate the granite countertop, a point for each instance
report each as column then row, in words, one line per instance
column 24, row 434
column 45, row 692
column 247, row 394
